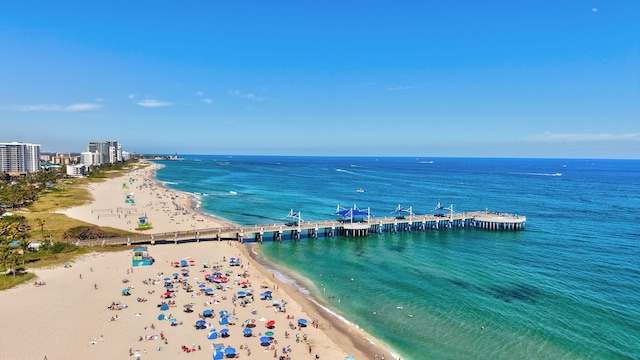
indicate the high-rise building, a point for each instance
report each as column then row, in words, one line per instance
column 109, row 152
column 19, row 157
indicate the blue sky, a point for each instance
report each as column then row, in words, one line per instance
column 541, row 78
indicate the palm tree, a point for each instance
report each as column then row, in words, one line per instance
column 41, row 225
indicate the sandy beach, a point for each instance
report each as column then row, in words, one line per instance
column 82, row 311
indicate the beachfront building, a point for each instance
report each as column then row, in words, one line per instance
column 89, row 158
column 18, row 157
column 76, row 170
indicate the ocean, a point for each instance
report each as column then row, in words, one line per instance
column 566, row 287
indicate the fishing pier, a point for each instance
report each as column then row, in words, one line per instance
column 352, row 224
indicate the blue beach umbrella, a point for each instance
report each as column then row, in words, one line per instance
column 302, row 322
column 230, row 351
column 247, row 332
column 207, row 313
column 164, row 307
column 265, row 340
column 183, row 263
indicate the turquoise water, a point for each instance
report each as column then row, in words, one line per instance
column 566, row 287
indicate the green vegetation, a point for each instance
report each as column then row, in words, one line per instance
column 32, row 201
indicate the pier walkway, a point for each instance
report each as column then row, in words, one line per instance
column 329, row 228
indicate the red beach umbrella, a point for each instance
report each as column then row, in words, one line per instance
column 271, row 323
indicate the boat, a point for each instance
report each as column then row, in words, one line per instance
column 360, row 190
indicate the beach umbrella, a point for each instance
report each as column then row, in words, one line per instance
column 202, row 286
column 271, row 323
column 175, row 275
column 218, row 273
column 167, row 279
column 224, row 313
column 224, row 332
column 164, row 306
column 207, row 313
column 349, row 357
column 302, row 322
column 173, row 320
column 125, row 291
column 212, row 334
column 268, row 333
column 247, row 332
column 183, row 263
column 230, row 352
column 265, row 341
column 241, row 294
column 161, row 317
column 223, row 321
column 250, row 323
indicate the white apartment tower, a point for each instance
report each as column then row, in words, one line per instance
column 19, row 157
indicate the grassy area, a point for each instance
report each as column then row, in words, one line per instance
column 9, row 281
column 47, row 225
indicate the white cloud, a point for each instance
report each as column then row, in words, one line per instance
column 595, row 10
column 397, row 88
column 153, row 103
column 582, row 137
column 55, row 107
column 199, row 93
column 249, row 96
column 131, row 96
column 207, row 101
column 82, row 107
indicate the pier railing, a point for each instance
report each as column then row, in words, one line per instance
column 479, row 220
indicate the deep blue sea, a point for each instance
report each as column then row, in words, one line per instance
column 566, row 287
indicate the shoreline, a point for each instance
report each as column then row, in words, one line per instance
column 337, row 336
column 337, row 326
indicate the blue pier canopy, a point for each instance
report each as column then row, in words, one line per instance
column 351, row 212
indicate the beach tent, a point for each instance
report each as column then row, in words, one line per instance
column 161, row 317
column 213, row 334
column 218, row 355
column 164, row 307
column 223, row 321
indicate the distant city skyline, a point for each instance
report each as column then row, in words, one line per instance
column 536, row 79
